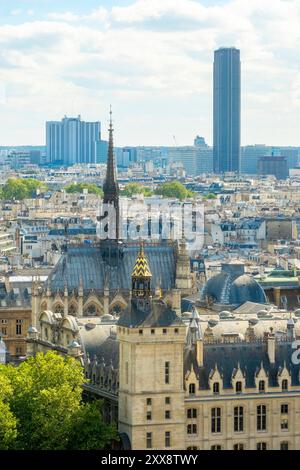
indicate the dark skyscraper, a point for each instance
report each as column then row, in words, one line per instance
column 227, row 110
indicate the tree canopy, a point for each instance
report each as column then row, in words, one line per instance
column 79, row 187
column 210, row 196
column 20, row 188
column 41, row 407
column 136, row 188
column 174, row 189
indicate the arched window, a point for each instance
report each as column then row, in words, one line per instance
column 117, row 309
column 261, row 386
column 216, row 388
column 58, row 308
column 284, row 385
column 91, row 311
column 72, row 310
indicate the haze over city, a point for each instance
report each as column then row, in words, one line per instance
column 153, row 60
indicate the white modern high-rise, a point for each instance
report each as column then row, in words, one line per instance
column 72, row 140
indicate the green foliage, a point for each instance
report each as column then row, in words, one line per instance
column 78, row 188
column 174, row 189
column 44, row 408
column 88, row 432
column 136, row 188
column 8, row 422
column 19, row 188
column 8, row 427
column 210, row 196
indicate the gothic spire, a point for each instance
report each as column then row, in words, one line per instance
column 110, row 187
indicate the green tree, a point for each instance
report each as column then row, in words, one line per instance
column 136, row 188
column 46, row 401
column 88, row 431
column 79, row 187
column 174, row 189
column 8, row 422
column 8, row 427
column 19, row 188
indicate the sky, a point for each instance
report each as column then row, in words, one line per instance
column 152, row 60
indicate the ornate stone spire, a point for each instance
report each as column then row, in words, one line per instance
column 110, row 187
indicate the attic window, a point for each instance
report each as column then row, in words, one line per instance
column 284, row 385
column 140, row 332
column 216, row 388
column 261, row 386
column 238, row 387
column 176, row 331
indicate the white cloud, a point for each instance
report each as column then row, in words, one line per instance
column 156, row 55
column 16, row 12
column 67, row 17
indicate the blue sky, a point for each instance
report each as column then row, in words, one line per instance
column 152, row 60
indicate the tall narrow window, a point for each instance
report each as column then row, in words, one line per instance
column 149, row 440
column 18, row 327
column 238, row 387
column 261, row 418
column 126, row 373
column 192, row 389
column 167, row 372
column 216, row 420
column 284, row 409
column 216, row 388
column 238, row 419
column 167, row 439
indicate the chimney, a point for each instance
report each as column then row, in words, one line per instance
column 271, row 346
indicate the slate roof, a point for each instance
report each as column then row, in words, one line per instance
column 226, row 289
column 249, row 356
column 86, row 263
column 18, row 296
column 100, row 341
column 160, row 315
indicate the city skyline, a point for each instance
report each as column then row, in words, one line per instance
column 153, row 61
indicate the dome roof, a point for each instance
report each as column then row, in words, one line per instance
column 233, row 290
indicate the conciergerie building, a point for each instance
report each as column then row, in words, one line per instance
column 173, row 373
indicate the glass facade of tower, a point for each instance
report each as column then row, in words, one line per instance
column 227, row 110
column 72, row 140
